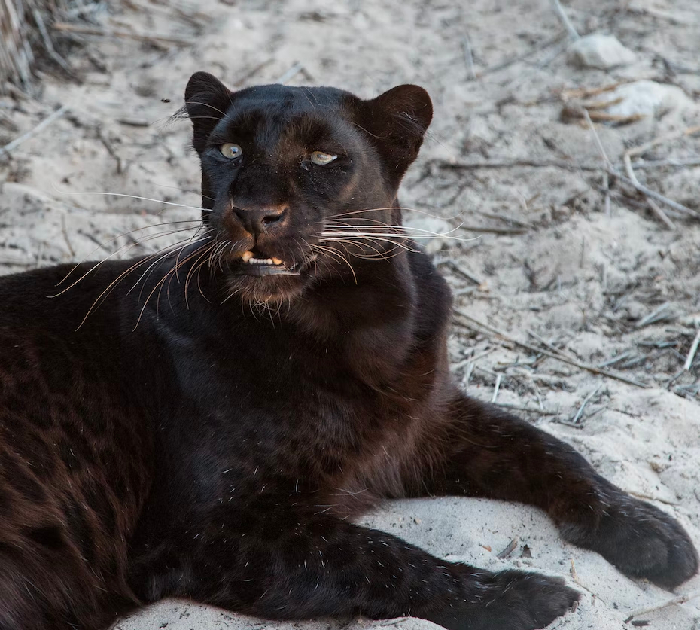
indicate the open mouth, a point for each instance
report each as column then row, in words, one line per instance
column 253, row 266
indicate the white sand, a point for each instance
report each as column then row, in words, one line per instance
column 580, row 278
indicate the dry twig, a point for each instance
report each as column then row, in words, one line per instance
column 630, row 171
column 606, row 160
column 292, row 72
column 468, row 58
column 448, row 262
column 48, row 44
column 513, row 60
column 496, row 388
column 467, row 376
column 606, row 188
column 627, row 159
column 657, row 315
column 680, row 599
column 251, row 72
column 580, row 93
column 510, row 548
column 545, row 343
column 634, row 182
column 577, row 418
column 657, row 196
column 670, row 162
column 515, row 163
column 82, row 29
column 691, row 353
column 574, row 112
column 589, row 105
column 689, row 131
column 599, row 144
column 493, row 229
column 66, row 238
column 8, row 148
column 466, row 320
column 573, row 33
column 541, row 412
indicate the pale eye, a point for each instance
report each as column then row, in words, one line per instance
column 231, row 151
column 321, row 158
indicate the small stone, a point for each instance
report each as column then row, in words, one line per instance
column 599, row 51
column 657, row 467
column 647, row 97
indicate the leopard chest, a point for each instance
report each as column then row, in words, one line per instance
column 287, row 419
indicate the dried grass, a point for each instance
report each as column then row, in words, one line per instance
column 25, row 33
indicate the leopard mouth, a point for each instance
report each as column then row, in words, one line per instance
column 254, row 266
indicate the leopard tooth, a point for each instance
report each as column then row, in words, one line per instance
column 249, row 257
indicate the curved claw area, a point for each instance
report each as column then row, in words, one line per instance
column 513, row 600
column 641, row 541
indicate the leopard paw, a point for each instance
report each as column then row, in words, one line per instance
column 641, row 541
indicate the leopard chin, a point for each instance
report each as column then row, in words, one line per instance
column 266, row 287
column 268, row 281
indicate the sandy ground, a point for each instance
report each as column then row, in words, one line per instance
column 539, row 255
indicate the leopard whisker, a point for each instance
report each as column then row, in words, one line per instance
column 427, row 235
column 170, row 277
column 208, row 231
column 337, row 254
column 351, row 246
column 181, row 190
column 137, row 197
column 124, row 247
column 351, row 213
column 196, row 266
column 209, row 105
column 168, row 251
column 199, row 286
column 220, row 258
column 103, row 296
column 350, row 238
column 219, row 253
column 217, row 256
column 343, row 243
column 386, row 226
column 131, row 233
column 392, row 252
column 206, row 236
column 378, row 254
column 161, row 283
column 203, row 117
column 219, row 245
column 105, row 293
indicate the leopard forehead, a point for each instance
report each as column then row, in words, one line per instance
column 296, row 98
column 276, row 117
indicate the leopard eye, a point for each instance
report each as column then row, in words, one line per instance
column 321, row 158
column 231, row 151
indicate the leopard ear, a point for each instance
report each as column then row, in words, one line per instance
column 396, row 122
column 206, row 101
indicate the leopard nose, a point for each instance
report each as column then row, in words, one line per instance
column 257, row 220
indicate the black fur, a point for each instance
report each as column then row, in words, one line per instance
column 212, row 433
